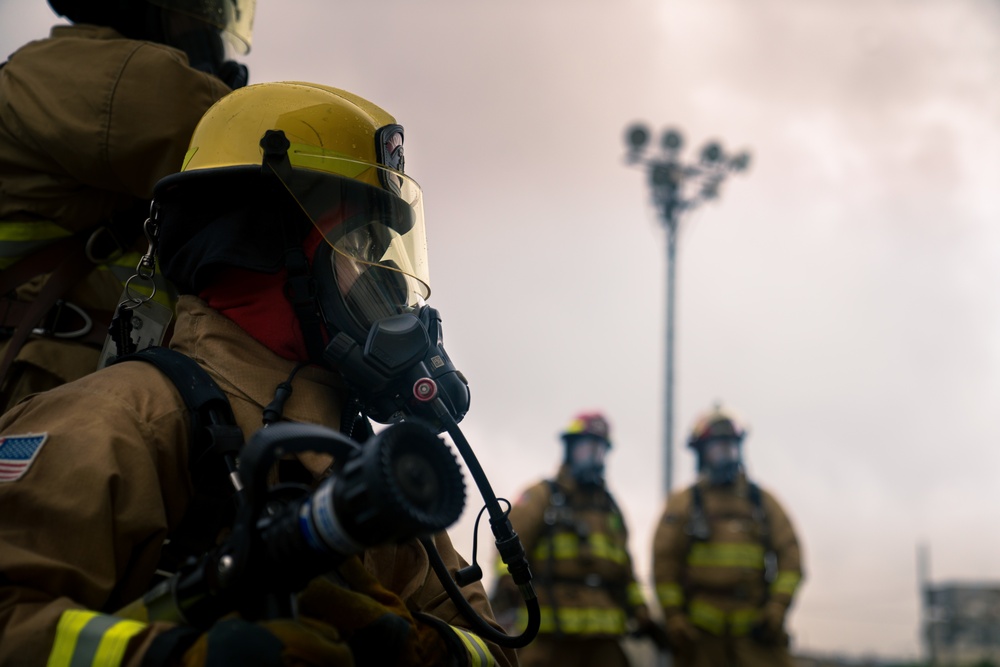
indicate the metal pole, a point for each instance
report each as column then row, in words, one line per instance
column 668, row 426
column 671, row 182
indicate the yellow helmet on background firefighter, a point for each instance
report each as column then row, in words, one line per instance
column 587, row 441
column 716, row 437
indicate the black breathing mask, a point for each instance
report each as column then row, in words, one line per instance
column 721, row 460
column 586, row 460
column 401, row 368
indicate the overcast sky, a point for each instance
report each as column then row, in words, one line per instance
column 840, row 295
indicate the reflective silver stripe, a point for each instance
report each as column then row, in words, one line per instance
column 479, row 655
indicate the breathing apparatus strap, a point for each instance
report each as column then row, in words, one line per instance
column 698, row 527
column 214, row 433
column 215, row 438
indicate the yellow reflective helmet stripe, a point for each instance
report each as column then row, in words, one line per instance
column 786, row 582
column 722, row 554
column 479, row 653
column 89, row 639
column 670, row 595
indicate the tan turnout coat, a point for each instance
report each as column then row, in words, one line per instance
column 84, row 526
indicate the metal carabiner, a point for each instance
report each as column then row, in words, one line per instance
column 88, row 323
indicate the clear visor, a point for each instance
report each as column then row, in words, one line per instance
column 233, row 17
column 589, row 450
column 372, row 218
column 717, row 452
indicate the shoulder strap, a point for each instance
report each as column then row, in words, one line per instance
column 697, row 527
column 759, row 514
column 215, row 437
column 70, row 268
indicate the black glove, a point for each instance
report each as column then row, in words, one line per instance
column 770, row 626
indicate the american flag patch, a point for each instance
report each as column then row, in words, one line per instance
column 17, row 453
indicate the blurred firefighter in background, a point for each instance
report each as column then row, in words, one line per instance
column 726, row 560
column 577, row 545
column 90, row 119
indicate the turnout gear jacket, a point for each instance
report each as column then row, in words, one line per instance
column 712, row 568
column 577, row 545
column 82, row 528
column 89, row 122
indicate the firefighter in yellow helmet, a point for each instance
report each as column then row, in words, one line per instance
column 726, row 560
column 92, row 117
column 577, row 544
column 297, row 243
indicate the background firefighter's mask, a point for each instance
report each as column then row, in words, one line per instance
column 586, row 457
column 721, row 460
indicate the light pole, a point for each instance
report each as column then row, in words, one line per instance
column 677, row 188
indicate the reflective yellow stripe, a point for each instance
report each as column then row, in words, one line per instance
column 37, row 230
column 670, row 595
column 634, row 595
column 566, row 546
column 786, row 582
column 721, row 554
column 70, row 624
column 123, row 268
column 18, row 239
column 479, row 654
column 741, row 621
column 89, row 639
column 710, row 618
column 582, row 621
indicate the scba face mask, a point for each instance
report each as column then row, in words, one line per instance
column 721, row 460
column 586, row 461
column 371, row 275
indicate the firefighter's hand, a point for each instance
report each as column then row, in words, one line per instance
column 276, row 643
column 681, row 633
column 655, row 633
column 770, row 626
column 374, row 621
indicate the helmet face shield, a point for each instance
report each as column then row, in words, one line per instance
column 234, row 18
column 377, row 235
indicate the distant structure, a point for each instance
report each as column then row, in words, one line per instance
column 677, row 187
column 960, row 621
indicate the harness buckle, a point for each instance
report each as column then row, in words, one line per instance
column 49, row 326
